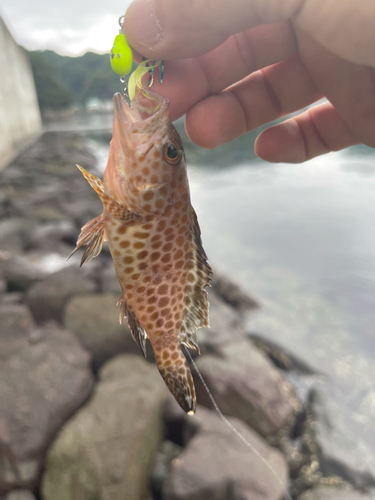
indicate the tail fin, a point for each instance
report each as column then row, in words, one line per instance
column 176, row 373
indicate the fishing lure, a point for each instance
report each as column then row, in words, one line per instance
column 122, row 63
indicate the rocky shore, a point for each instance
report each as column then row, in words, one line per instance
column 84, row 417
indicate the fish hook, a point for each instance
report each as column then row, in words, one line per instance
column 121, row 21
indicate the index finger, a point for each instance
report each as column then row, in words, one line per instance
column 188, row 81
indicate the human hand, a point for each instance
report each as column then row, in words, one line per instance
column 233, row 66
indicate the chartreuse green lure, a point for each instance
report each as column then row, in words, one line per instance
column 121, row 55
column 122, row 62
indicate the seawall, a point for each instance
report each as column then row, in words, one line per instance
column 20, row 120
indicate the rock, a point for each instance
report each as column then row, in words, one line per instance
column 246, row 385
column 95, row 321
column 48, row 298
column 217, row 465
column 11, row 298
column 327, row 493
column 20, row 495
column 340, row 451
column 232, row 294
column 25, row 270
column 281, row 357
column 45, row 213
column 13, row 233
column 162, row 463
column 105, row 450
column 16, row 326
column 108, row 279
column 226, row 325
column 42, row 383
column 49, row 237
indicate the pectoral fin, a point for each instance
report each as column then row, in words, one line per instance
column 93, row 235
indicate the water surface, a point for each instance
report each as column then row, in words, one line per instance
column 301, row 240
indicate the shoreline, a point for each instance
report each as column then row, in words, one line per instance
column 44, row 203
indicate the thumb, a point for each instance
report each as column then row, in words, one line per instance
column 177, row 29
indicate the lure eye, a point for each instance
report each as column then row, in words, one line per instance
column 172, row 154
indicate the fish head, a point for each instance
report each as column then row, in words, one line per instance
column 146, row 161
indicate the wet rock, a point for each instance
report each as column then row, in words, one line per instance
column 327, row 493
column 339, row 450
column 245, row 384
column 20, row 495
column 43, row 381
column 95, row 321
column 217, row 465
column 47, row 299
column 105, row 450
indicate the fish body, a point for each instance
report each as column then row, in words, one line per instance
column 153, row 236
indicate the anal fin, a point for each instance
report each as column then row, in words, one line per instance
column 138, row 334
column 93, row 235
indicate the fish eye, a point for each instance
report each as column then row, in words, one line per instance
column 171, row 153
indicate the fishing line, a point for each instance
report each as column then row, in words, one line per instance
column 234, row 430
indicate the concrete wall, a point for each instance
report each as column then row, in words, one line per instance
column 20, row 120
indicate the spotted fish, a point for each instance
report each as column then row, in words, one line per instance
column 153, row 236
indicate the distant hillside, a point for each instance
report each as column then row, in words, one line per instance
column 63, row 80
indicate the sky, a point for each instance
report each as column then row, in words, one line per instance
column 69, row 27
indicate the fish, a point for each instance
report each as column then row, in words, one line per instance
column 153, row 236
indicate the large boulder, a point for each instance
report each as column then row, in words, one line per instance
column 105, row 451
column 216, row 464
column 95, row 321
column 45, row 377
column 47, row 299
column 246, row 385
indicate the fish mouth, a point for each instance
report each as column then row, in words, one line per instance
column 144, row 116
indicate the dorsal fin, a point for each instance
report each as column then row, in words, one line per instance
column 93, row 235
column 138, row 334
column 96, row 183
column 196, row 303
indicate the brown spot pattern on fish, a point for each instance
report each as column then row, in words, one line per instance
column 154, row 238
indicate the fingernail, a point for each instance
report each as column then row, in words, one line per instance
column 142, row 25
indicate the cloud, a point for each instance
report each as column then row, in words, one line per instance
column 69, row 27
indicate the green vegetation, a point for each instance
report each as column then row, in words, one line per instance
column 51, row 92
column 62, row 80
